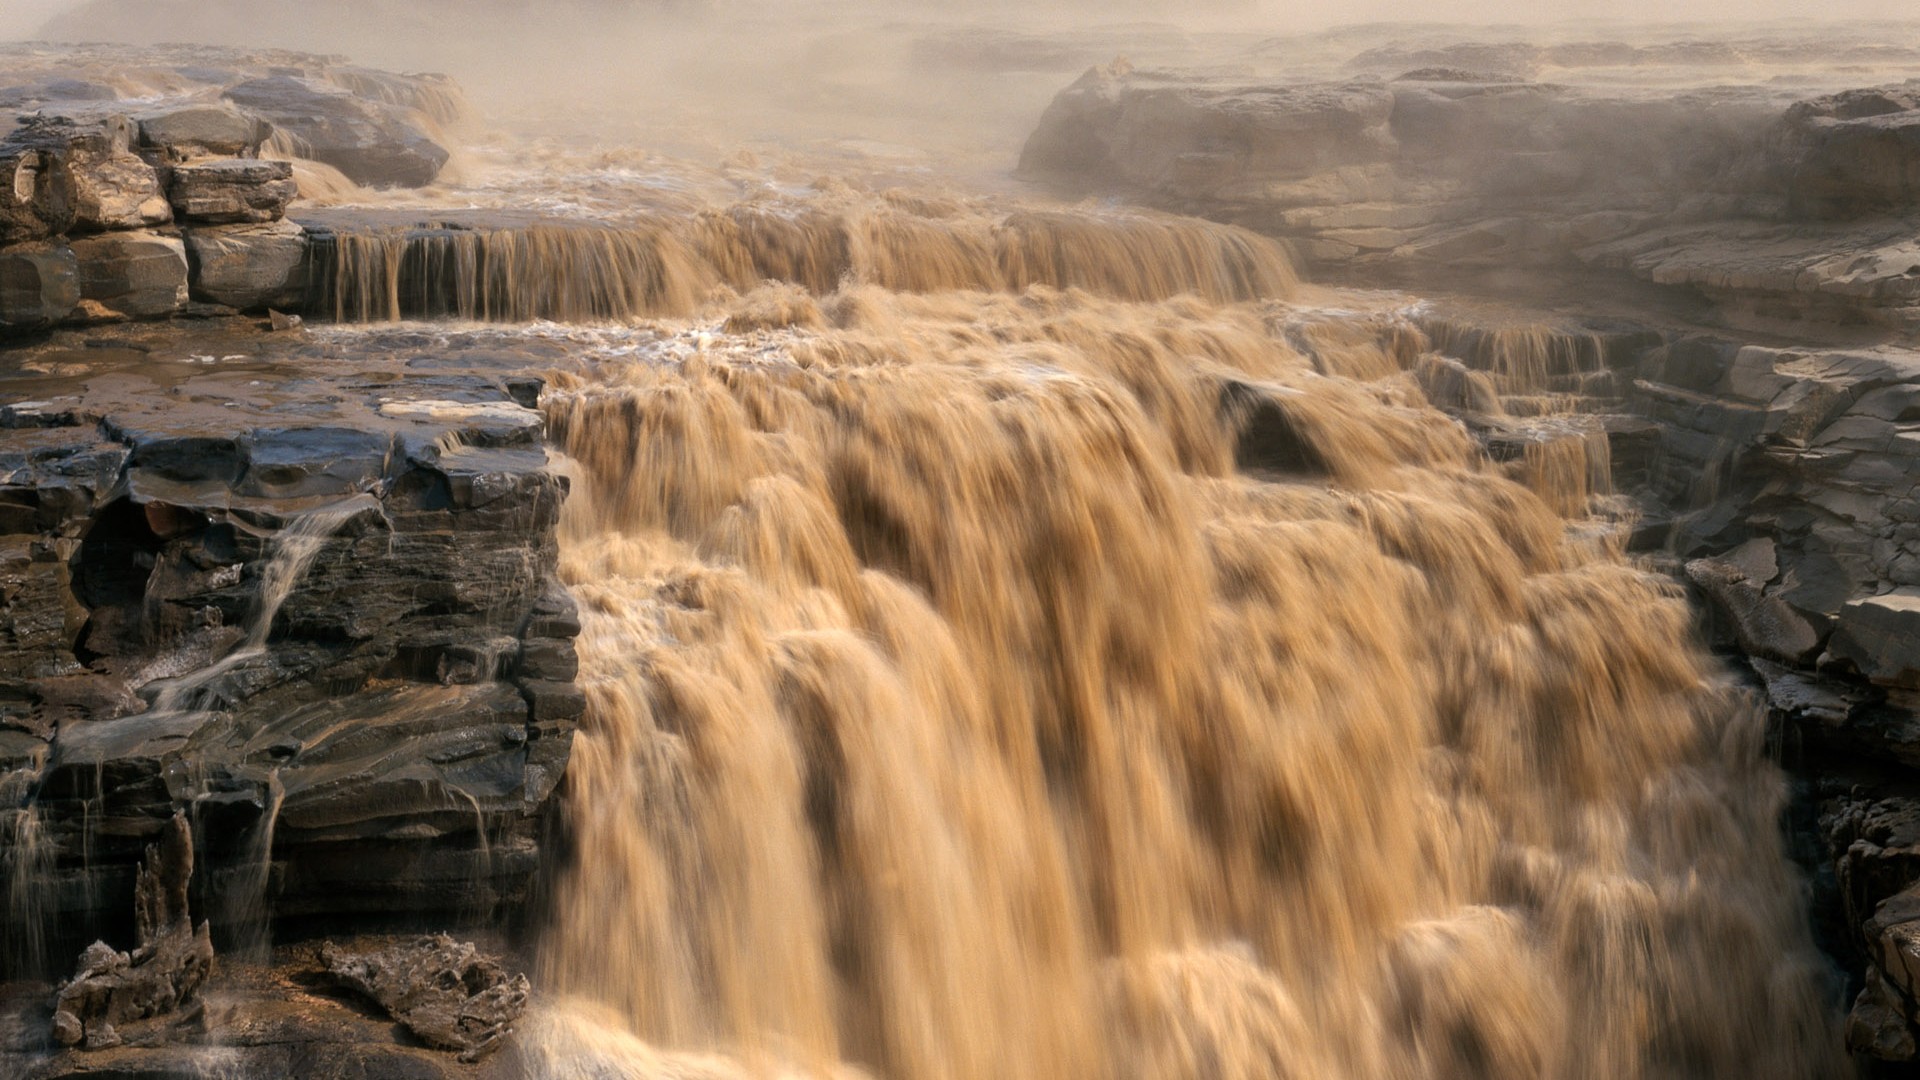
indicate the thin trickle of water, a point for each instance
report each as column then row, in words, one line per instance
column 293, row 550
column 29, row 857
column 26, row 860
column 245, row 910
column 958, row 707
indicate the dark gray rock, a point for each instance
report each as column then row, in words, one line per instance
column 39, row 285
column 447, row 992
column 114, row 991
column 249, row 267
column 372, row 142
column 132, row 274
column 231, row 190
column 381, row 718
column 1763, row 624
column 1880, row 635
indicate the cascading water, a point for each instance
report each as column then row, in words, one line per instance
column 971, row 696
column 594, row 272
column 293, row 550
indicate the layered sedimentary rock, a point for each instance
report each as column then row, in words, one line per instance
column 110, row 179
column 1778, row 484
column 311, row 599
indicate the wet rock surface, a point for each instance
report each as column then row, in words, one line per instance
column 114, row 991
column 446, row 992
column 304, row 586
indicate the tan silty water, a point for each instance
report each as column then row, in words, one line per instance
column 594, row 272
column 969, row 702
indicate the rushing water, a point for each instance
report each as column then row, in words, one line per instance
column 968, row 701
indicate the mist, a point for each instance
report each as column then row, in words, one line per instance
column 766, row 540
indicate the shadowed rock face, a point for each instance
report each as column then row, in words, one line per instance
column 323, row 614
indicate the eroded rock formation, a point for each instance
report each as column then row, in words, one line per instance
column 147, row 209
column 1772, row 208
column 321, row 610
column 446, row 992
column 164, row 972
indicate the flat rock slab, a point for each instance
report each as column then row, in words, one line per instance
column 1881, row 635
column 231, row 190
column 198, row 130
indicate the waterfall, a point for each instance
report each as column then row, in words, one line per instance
column 966, row 701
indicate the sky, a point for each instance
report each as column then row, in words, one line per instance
column 20, row 18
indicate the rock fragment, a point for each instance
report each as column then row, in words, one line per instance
column 447, row 992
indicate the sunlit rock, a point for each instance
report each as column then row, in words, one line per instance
column 131, row 274
column 249, row 267
column 372, row 142
column 231, row 190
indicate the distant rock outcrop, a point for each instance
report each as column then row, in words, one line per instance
column 1777, row 210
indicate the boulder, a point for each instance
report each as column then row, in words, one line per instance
column 249, row 267
column 1877, row 1027
column 371, row 142
column 116, row 190
column 1763, row 624
column 198, row 130
column 77, row 170
column 1881, row 636
column 39, row 285
column 231, row 190
column 1855, row 152
column 132, row 274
